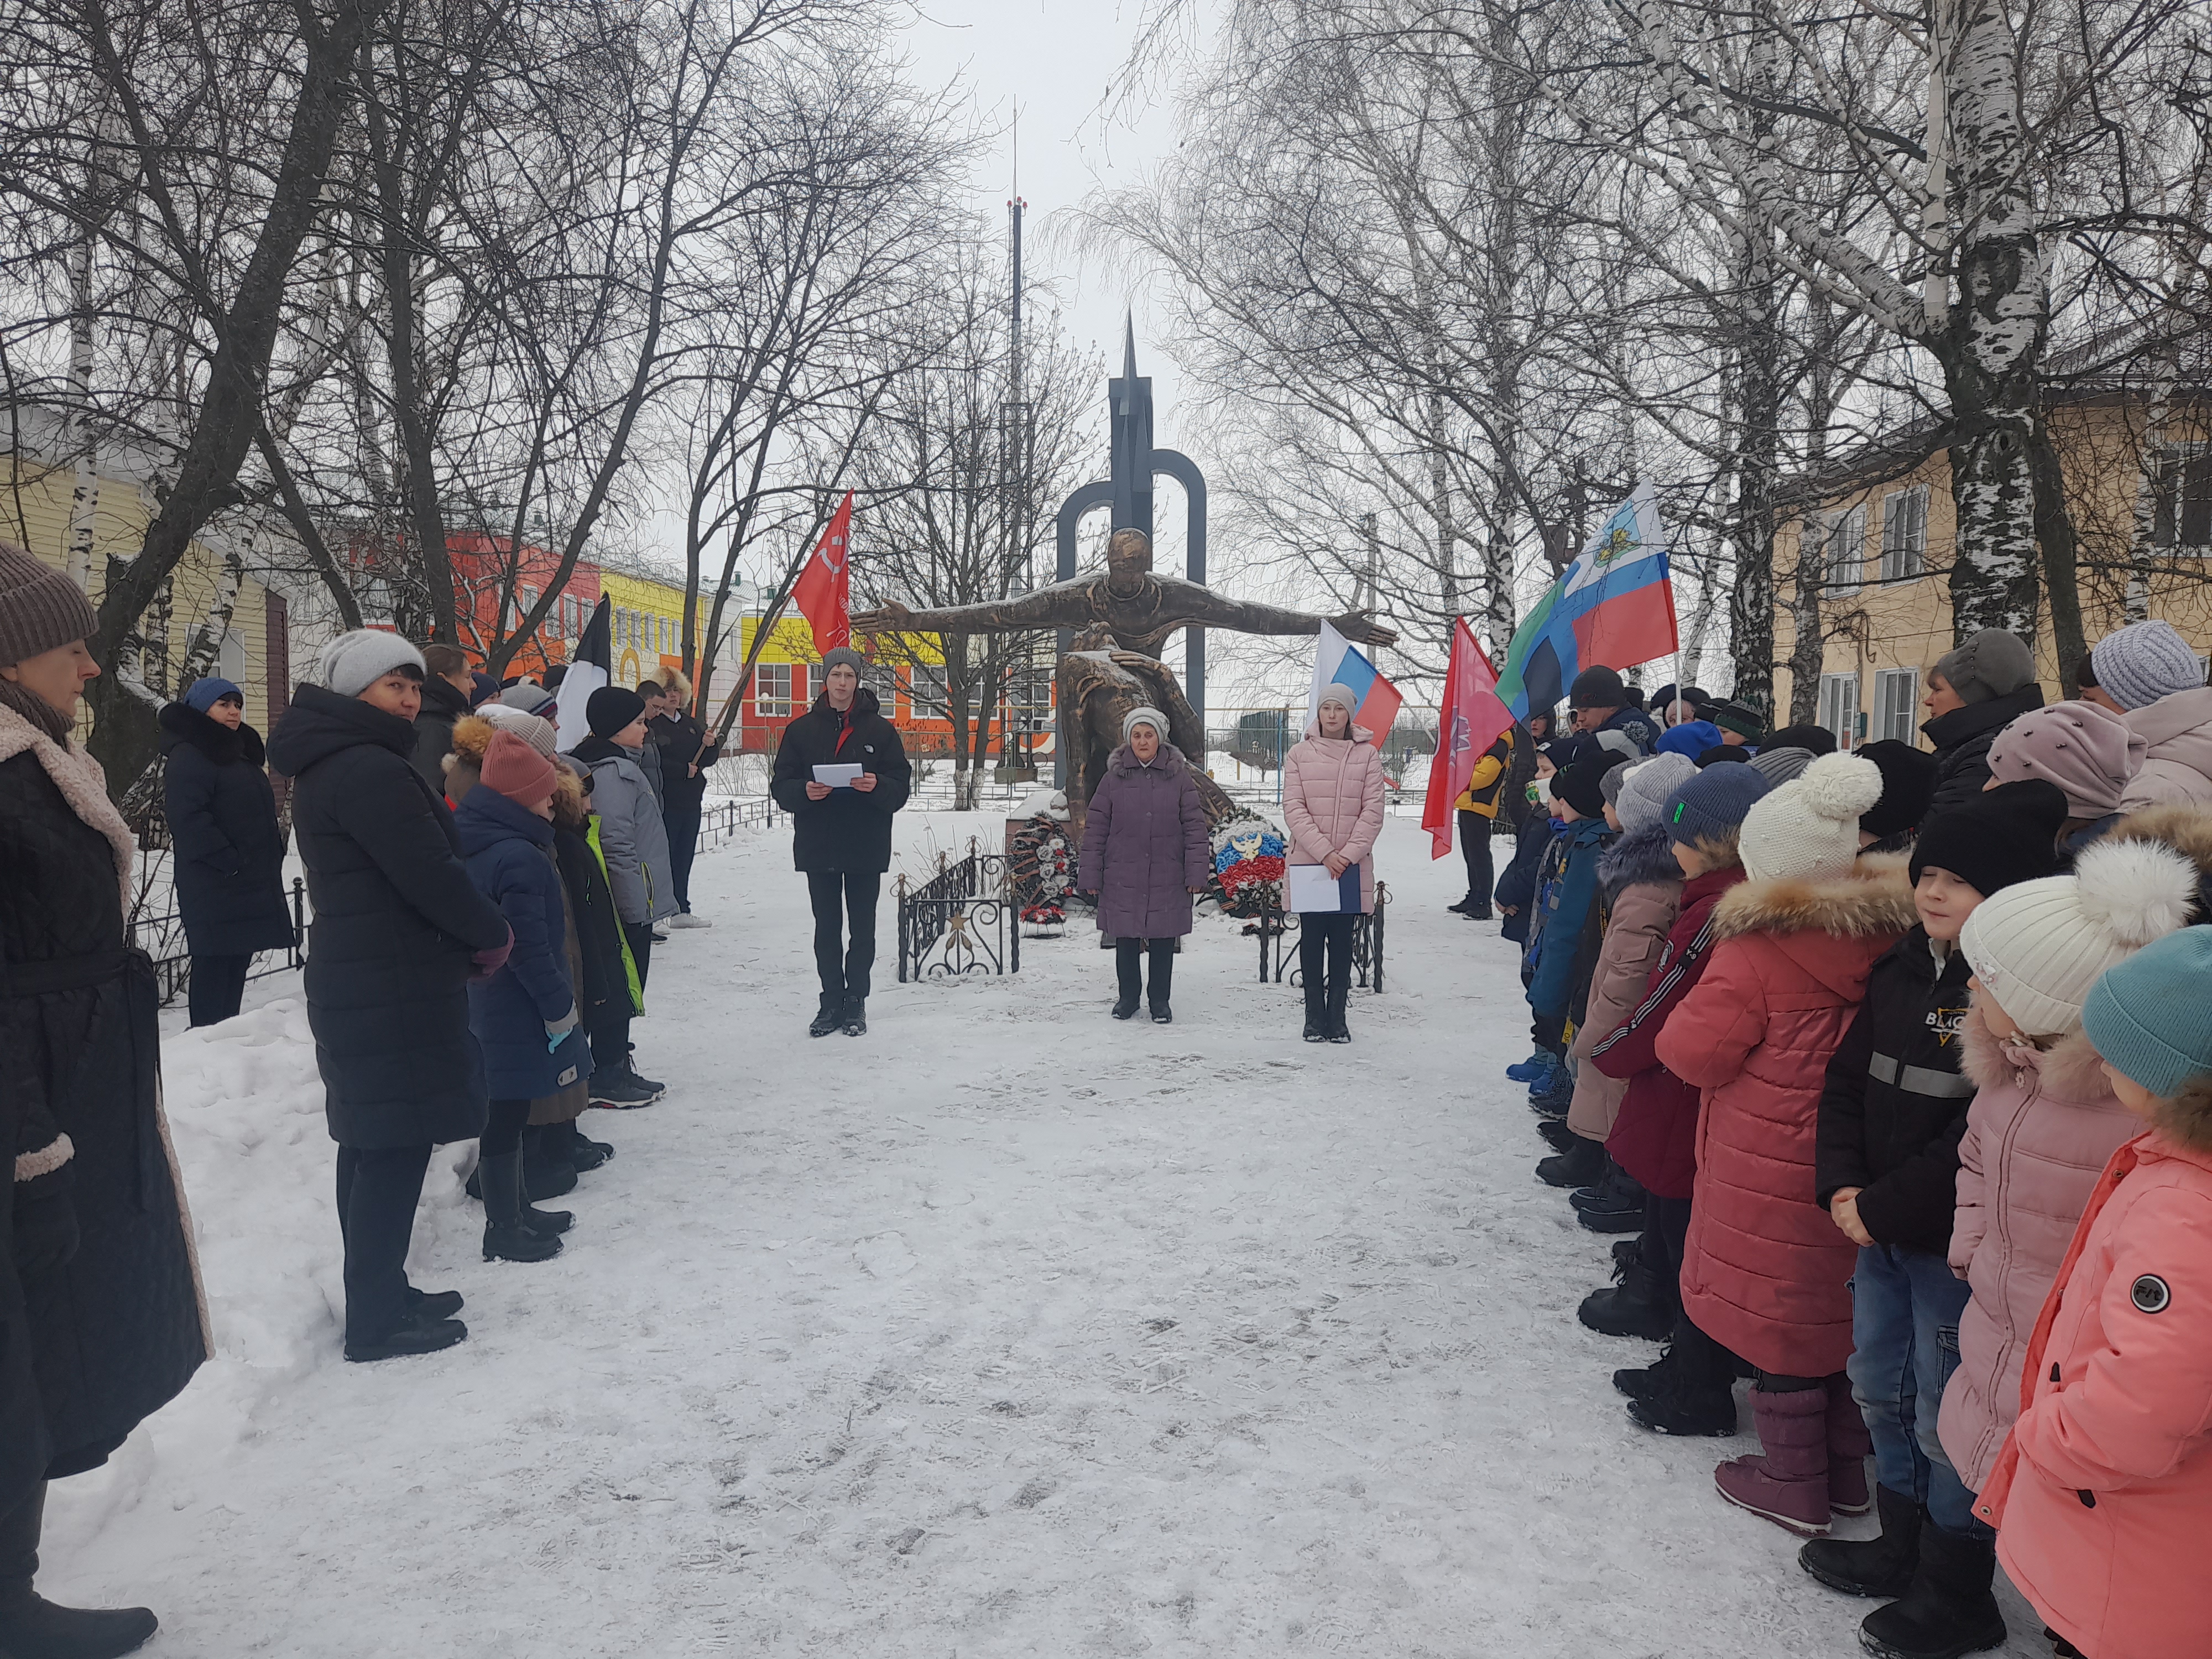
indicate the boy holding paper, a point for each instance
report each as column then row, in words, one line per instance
column 1333, row 807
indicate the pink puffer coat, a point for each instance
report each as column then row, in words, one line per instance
column 2040, row 1128
column 2177, row 770
column 1765, row 1271
column 1332, row 801
column 1643, row 888
column 2103, row 1496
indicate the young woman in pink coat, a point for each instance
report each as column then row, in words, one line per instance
column 1765, row 1271
column 1333, row 807
column 2102, row 1495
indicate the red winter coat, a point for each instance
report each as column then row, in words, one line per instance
column 2103, row 1496
column 1765, row 1271
column 1654, row 1135
column 1332, row 801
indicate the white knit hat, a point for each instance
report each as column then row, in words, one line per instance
column 1644, row 790
column 1144, row 716
column 533, row 729
column 353, row 662
column 2038, row 946
column 1809, row 827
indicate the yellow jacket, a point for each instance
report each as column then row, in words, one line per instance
column 1483, row 786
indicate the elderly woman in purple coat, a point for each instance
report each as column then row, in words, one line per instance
column 1145, row 852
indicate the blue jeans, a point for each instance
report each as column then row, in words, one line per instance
column 1904, row 1326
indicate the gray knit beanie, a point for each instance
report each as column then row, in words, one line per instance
column 522, row 694
column 1341, row 693
column 353, row 662
column 1781, row 766
column 1710, row 804
column 843, row 656
column 1990, row 663
column 1137, row 717
column 42, row 610
column 2143, row 662
column 534, row 730
column 1645, row 787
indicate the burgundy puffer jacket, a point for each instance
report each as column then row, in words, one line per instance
column 1332, row 801
column 1144, row 846
column 1654, row 1134
column 1765, row 1271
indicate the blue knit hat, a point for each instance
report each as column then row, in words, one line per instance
column 1690, row 739
column 1712, row 803
column 2151, row 1018
column 2144, row 661
column 203, row 694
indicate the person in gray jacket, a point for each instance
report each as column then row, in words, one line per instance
column 632, row 838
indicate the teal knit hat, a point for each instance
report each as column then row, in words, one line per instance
column 2151, row 1018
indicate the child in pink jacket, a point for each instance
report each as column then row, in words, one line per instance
column 2103, row 1494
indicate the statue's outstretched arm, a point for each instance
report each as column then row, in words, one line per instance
column 1214, row 609
column 1048, row 607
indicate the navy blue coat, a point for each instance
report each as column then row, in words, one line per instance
column 508, row 850
column 1517, row 886
column 228, row 850
column 395, row 922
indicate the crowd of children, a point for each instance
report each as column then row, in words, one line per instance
column 1898, row 1066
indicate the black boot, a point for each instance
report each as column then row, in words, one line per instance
column 584, row 1154
column 1161, row 984
column 508, row 1237
column 1316, row 1014
column 1948, row 1611
column 548, row 1172
column 424, row 1305
column 1556, row 1134
column 1578, row 1166
column 32, row 1627
column 1125, row 1005
column 1649, row 1381
column 1637, row 1306
column 1687, row 1407
column 1339, row 997
column 830, row 1015
column 856, row 1017
column 1615, row 1205
column 1880, row 1566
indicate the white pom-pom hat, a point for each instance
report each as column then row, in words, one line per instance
column 2038, row 946
column 1809, row 828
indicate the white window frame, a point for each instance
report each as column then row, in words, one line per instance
column 1896, row 696
column 1844, row 529
column 1836, row 715
column 771, row 705
column 1905, row 533
column 928, row 693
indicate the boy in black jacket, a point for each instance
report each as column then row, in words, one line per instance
column 1886, row 1164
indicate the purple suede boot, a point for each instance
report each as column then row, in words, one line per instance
column 1787, row 1481
column 1850, row 1445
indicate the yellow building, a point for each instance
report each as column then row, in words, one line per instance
column 647, row 617
column 2139, row 492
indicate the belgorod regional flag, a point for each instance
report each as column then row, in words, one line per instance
column 1469, row 720
column 824, row 592
column 589, row 667
column 1339, row 662
column 1613, row 605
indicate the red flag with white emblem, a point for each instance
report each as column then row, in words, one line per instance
column 824, row 592
column 1471, row 719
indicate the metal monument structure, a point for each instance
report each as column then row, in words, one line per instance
column 1132, row 463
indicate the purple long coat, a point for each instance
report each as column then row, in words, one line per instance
column 1144, row 846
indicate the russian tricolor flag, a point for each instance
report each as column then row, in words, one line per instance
column 1339, row 662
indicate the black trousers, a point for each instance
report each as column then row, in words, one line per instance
column 378, row 1190
column 639, row 936
column 1323, row 937
column 844, row 906
column 218, row 983
column 1550, row 1032
column 1707, row 1363
column 1475, row 846
column 503, row 1134
column 683, row 821
column 1129, row 955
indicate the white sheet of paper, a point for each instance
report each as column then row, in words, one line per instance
column 1310, row 887
column 837, row 777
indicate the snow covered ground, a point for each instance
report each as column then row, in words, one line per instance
column 1008, row 1329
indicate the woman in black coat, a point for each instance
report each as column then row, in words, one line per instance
column 226, row 844
column 101, row 1319
column 398, row 932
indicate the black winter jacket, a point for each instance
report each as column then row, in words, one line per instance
column 1962, row 739
column 442, row 705
column 1517, row 887
column 680, row 740
column 848, row 831
column 228, row 848
column 397, row 920
column 1894, row 1105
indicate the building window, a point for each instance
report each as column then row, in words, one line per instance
column 2182, row 499
column 772, row 690
column 1896, row 700
column 1840, row 707
column 930, row 694
column 1844, row 557
column 1904, row 533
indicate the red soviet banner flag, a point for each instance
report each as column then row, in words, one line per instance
column 1469, row 721
column 824, row 592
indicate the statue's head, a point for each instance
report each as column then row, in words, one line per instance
column 1128, row 557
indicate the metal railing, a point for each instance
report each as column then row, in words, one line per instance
column 1277, row 953
column 961, row 921
column 161, row 936
column 719, row 821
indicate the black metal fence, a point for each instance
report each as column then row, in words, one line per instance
column 719, row 821
column 161, row 936
column 1278, row 944
column 961, row 921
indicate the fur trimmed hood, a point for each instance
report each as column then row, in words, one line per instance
column 2186, row 1120
column 2070, row 1068
column 83, row 786
column 572, row 805
column 1169, row 759
column 1641, row 855
column 473, row 736
column 1873, row 896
